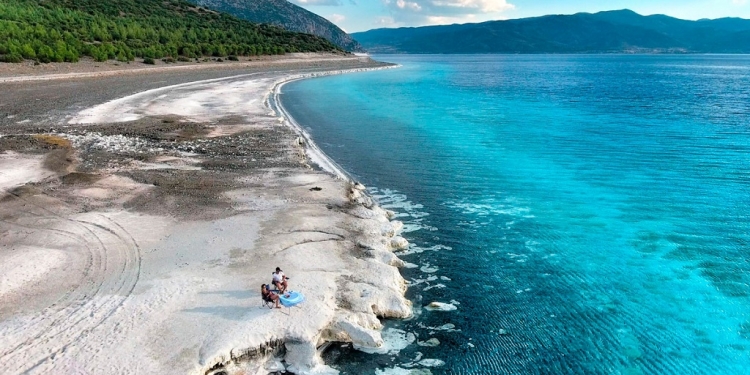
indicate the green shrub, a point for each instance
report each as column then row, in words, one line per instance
column 232, row 58
column 64, row 30
column 28, row 52
column 148, row 60
column 11, row 58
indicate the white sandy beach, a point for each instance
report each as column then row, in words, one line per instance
column 90, row 286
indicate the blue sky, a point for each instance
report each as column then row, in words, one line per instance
column 361, row 15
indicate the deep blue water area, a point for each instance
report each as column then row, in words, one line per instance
column 585, row 214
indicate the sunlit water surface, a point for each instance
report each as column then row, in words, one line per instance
column 585, row 214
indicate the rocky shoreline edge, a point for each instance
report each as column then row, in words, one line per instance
column 375, row 238
column 164, row 227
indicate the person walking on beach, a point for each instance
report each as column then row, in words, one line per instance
column 279, row 280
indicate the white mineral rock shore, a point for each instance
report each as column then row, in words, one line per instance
column 111, row 291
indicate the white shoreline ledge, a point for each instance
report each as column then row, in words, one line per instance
column 273, row 101
column 171, row 295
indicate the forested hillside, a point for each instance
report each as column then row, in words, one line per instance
column 65, row 30
column 285, row 14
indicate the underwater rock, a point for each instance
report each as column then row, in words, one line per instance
column 440, row 306
column 399, row 243
column 430, row 343
column 429, row 362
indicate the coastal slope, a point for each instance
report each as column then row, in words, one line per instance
column 65, row 30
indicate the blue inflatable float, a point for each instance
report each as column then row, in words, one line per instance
column 293, row 299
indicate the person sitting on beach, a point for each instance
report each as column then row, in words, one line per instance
column 279, row 279
column 268, row 295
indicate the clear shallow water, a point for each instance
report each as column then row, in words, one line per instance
column 589, row 214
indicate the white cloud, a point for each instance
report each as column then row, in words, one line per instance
column 317, row 2
column 336, row 18
column 433, row 12
column 443, row 20
column 410, row 5
column 484, row 6
column 385, row 21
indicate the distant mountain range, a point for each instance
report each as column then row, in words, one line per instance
column 604, row 32
column 285, row 14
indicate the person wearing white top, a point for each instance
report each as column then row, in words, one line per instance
column 279, row 280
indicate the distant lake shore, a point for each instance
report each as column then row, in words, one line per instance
column 87, row 67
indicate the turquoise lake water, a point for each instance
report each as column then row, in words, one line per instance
column 585, row 214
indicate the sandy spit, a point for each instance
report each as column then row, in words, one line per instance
column 139, row 219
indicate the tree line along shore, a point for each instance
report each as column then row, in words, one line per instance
column 66, row 30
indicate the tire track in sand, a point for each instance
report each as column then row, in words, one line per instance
column 112, row 270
